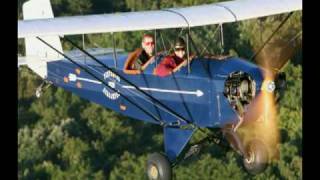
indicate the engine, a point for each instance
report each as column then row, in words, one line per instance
column 239, row 89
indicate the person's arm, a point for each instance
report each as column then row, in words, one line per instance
column 145, row 65
column 183, row 63
column 165, row 67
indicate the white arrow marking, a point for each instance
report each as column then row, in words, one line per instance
column 198, row 92
column 73, row 77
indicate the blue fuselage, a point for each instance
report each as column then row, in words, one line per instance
column 197, row 96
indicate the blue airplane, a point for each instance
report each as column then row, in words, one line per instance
column 213, row 95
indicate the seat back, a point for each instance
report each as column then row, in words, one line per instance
column 130, row 60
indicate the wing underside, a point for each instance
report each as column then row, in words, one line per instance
column 216, row 13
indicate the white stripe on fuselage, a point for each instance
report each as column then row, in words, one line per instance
column 197, row 92
column 74, row 77
column 89, row 80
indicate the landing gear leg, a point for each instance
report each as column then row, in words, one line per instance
column 43, row 86
column 234, row 140
column 196, row 148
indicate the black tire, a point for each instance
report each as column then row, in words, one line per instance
column 158, row 167
column 257, row 158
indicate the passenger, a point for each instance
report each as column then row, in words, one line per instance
column 169, row 63
column 145, row 53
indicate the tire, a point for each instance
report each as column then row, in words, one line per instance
column 158, row 167
column 256, row 159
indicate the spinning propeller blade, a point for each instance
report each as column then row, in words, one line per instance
column 262, row 110
column 275, row 55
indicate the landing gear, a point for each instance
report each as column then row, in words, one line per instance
column 44, row 85
column 158, row 167
column 256, row 158
column 255, row 152
column 38, row 92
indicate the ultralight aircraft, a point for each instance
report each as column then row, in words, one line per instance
column 215, row 95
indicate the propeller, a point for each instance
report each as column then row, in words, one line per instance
column 262, row 110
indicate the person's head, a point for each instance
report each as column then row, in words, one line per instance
column 179, row 48
column 148, row 44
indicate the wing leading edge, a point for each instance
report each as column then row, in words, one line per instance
column 216, row 13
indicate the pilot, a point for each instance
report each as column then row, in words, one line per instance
column 169, row 63
column 145, row 53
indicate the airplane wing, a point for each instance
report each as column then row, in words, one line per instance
column 216, row 13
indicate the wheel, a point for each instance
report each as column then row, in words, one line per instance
column 158, row 167
column 256, row 158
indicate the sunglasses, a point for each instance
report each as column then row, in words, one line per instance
column 149, row 43
column 179, row 49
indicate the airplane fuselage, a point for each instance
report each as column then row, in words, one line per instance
column 197, row 96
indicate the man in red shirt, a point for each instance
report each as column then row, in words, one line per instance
column 169, row 63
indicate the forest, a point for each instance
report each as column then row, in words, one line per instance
column 61, row 136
